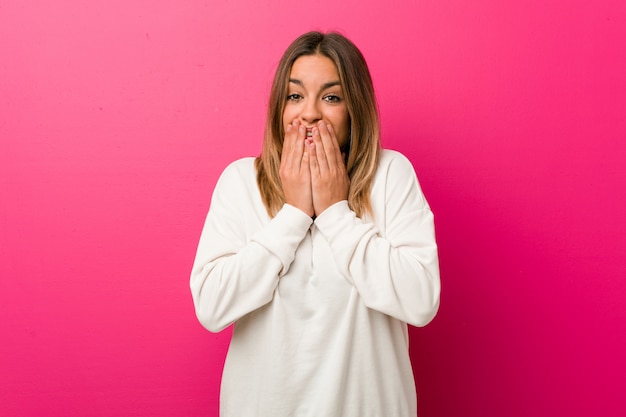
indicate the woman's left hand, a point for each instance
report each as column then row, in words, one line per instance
column 329, row 179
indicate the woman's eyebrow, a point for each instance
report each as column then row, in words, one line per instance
column 324, row 86
column 330, row 84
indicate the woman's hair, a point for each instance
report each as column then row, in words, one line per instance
column 363, row 146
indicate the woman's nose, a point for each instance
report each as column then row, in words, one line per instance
column 311, row 112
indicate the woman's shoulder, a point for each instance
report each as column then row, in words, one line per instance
column 240, row 167
column 242, row 164
column 239, row 171
column 394, row 160
column 391, row 154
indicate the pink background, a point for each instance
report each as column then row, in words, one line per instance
column 116, row 118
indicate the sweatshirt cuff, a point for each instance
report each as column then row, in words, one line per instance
column 334, row 218
column 295, row 216
column 283, row 233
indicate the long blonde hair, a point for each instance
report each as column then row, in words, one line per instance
column 363, row 146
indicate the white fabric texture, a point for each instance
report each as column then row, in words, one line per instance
column 320, row 308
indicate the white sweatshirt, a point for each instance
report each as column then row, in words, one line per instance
column 320, row 308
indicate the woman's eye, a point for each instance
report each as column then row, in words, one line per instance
column 331, row 98
column 294, row 97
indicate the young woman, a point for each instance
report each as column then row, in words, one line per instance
column 320, row 251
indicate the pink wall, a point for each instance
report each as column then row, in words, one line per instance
column 116, row 117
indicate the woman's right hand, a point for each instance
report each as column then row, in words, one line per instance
column 295, row 173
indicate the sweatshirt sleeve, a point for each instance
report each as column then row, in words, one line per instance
column 394, row 266
column 236, row 270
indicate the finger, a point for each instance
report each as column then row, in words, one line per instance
column 295, row 129
column 293, row 145
column 288, row 142
column 312, row 156
column 320, row 152
column 299, row 150
column 303, row 156
column 339, row 158
column 331, row 145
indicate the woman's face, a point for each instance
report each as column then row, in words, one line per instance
column 315, row 94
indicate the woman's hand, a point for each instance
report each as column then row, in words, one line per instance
column 329, row 179
column 295, row 171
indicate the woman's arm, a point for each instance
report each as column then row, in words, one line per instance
column 395, row 266
column 238, row 264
